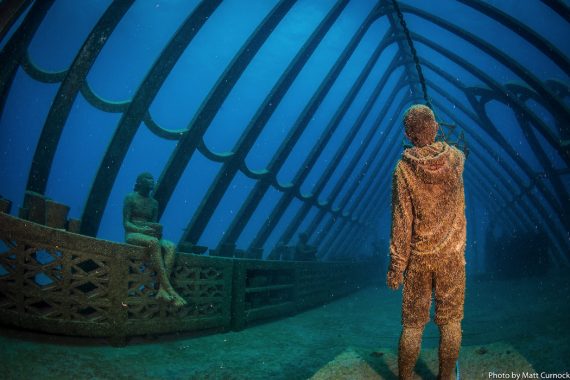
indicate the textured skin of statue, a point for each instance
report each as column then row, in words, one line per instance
column 428, row 211
column 427, row 246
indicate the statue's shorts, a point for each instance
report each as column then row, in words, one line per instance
column 446, row 277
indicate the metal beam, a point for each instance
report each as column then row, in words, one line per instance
column 15, row 50
column 559, row 7
column 556, row 107
column 10, row 12
column 389, row 156
column 210, row 202
column 279, row 158
column 557, row 238
column 486, row 123
column 341, row 151
column 310, row 160
column 374, row 155
column 351, row 167
column 369, row 163
column 131, row 119
column 207, row 111
column 527, row 33
column 478, row 121
column 70, row 86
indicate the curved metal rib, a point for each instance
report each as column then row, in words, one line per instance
column 558, row 109
column 372, row 178
column 208, row 109
column 67, row 92
column 246, row 211
column 548, row 49
column 311, row 158
column 14, row 51
column 131, row 119
column 210, row 202
column 341, row 151
column 341, row 182
column 486, row 123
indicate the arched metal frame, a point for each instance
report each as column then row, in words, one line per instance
column 246, row 211
column 368, row 193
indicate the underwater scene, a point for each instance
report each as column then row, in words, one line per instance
column 284, row 189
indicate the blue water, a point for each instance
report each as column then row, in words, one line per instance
column 146, row 28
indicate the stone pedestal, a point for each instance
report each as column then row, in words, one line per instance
column 5, row 205
column 34, row 208
column 55, row 214
column 74, row 225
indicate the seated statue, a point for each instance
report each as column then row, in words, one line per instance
column 304, row 251
column 141, row 228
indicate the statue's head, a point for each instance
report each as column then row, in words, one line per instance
column 303, row 237
column 145, row 183
column 419, row 125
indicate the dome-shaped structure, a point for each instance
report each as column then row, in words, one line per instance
column 261, row 120
column 281, row 132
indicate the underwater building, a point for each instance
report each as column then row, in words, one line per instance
column 270, row 130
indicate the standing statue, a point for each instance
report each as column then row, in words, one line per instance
column 428, row 241
column 141, row 228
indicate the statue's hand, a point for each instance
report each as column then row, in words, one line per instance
column 394, row 280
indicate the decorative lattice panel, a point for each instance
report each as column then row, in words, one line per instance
column 54, row 283
column 142, row 288
column 9, row 296
column 59, row 282
column 205, row 288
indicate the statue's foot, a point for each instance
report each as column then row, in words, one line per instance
column 164, row 296
column 178, row 301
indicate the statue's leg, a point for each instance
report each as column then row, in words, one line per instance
column 409, row 350
column 416, row 302
column 169, row 250
column 449, row 301
column 449, row 345
column 153, row 248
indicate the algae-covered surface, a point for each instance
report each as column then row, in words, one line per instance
column 510, row 326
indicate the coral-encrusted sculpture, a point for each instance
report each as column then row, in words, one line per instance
column 141, row 228
column 428, row 236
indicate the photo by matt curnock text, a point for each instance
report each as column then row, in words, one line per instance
column 528, row 375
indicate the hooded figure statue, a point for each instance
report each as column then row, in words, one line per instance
column 427, row 245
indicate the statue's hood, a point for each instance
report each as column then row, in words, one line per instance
column 434, row 163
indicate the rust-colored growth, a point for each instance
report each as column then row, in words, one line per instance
column 420, row 125
column 428, row 208
column 428, row 236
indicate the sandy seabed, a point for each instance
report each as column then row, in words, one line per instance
column 510, row 326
